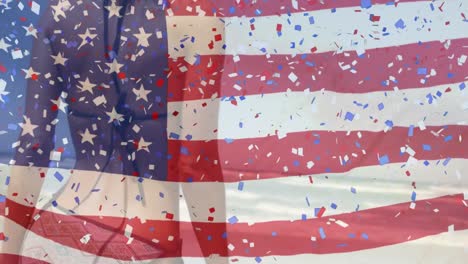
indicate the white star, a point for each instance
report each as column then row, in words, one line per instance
column 87, row 137
column 31, row 30
column 114, row 116
column 59, row 10
column 2, row 90
column 114, row 9
column 87, row 37
column 30, row 72
column 143, row 145
column 141, row 93
column 5, row 4
column 4, row 46
column 61, row 104
column 59, row 59
column 27, row 127
column 142, row 37
column 86, row 86
column 114, row 66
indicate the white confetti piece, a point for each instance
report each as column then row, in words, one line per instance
column 35, row 8
column 85, row 239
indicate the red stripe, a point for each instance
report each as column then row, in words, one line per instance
column 371, row 71
column 371, row 228
column 265, row 8
column 323, row 148
column 13, row 259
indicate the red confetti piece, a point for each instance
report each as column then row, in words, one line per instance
column 321, row 212
column 160, row 82
column 122, row 75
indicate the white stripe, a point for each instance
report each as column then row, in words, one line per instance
column 258, row 201
column 288, row 112
column 335, row 31
column 441, row 248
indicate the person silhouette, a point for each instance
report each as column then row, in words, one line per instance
column 105, row 63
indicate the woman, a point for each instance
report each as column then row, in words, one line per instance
column 108, row 61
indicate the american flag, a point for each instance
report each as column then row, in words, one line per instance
column 299, row 131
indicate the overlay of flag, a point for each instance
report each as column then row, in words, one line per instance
column 298, row 131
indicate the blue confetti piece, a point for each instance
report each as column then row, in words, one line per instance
column 184, row 150
column 7, row 181
column 174, row 135
column 2, row 198
column 316, row 211
column 413, row 196
column 462, row 86
column 427, row 147
column 384, row 160
column 411, row 131
column 229, row 140
column 58, row 176
column 303, row 217
column 400, row 24
column 240, row 187
column 365, row 236
column 389, row 123
column 233, row 220
column 77, row 200
column 298, row 28
column 333, row 205
column 426, row 163
column 353, row 190
column 54, row 203
column 381, row 106
column 448, row 138
column 311, row 20
column 258, row 259
column 322, row 233
column 274, row 233
column 366, row 4
column 349, row 116
column 12, row 127
column 446, row 161
column 422, row 71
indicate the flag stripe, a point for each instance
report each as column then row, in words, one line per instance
column 359, row 230
column 307, row 153
column 380, row 69
column 210, row 35
column 255, row 116
column 277, row 199
column 441, row 248
column 244, row 8
column 12, row 258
